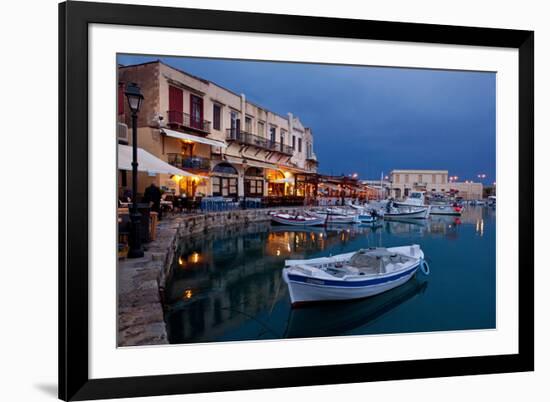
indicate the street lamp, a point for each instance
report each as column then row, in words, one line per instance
column 135, row 98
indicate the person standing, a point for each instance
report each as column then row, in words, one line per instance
column 153, row 194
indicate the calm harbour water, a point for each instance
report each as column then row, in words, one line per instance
column 227, row 284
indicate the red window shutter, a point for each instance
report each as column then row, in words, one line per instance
column 175, row 105
column 120, row 98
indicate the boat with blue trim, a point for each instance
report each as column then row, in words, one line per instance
column 354, row 275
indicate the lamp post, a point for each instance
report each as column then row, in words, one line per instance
column 135, row 98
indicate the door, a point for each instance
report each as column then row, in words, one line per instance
column 196, row 112
column 235, row 126
column 175, row 105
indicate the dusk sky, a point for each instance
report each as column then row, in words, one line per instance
column 369, row 119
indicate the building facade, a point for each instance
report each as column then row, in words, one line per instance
column 402, row 182
column 231, row 146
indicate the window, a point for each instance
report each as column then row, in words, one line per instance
column 217, row 117
column 253, row 187
column 406, row 180
column 396, row 179
column 248, row 124
column 293, row 142
column 299, row 145
column 272, row 134
column 420, row 178
column 216, row 190
column 225, row 167
column 261, row 129
column 224, row 186
column 434, row 179
column 235, row 125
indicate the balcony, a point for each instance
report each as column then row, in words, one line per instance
column 245, row 138
column 311, row 157
column 177, row 119
column 188, row 162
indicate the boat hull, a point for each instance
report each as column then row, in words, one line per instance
column 306, row 290
column 332, row 219
column 293, row 222
column 420, row 214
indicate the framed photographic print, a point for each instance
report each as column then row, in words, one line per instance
column 258, row 200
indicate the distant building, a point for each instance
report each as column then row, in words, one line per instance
column 402, row 182
column 467, row 190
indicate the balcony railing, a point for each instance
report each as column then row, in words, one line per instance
column 188, row 162
column 177, row 118
column 243, row 137
column 312, row 157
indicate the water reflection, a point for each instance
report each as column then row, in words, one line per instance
column 227, row 284
column 331, row 319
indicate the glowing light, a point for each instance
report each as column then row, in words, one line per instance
column 176, row 178
column 278, row 252
column 181, row 261
column 187, row 294
column 195, row 257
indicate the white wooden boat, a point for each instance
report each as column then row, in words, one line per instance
column 414, row 199
column 406, row 212
column 354, row 275
column 338, row 215
column 298, row 219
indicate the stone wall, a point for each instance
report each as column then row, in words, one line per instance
column 141, row 281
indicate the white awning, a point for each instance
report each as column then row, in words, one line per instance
column 193, row 138
column 250, row 162
column 146, row 162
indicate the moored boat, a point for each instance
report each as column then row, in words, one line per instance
column 298, row 219
column 406, row 212
column 445, row 209
column 355, row 275
column 338, row 215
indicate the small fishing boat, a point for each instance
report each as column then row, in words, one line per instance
column 414, row 199
column 355, row 275
column 338, row 215
column 406, row 212
column 302, row 219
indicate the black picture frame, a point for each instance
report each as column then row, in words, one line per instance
column 74, row 381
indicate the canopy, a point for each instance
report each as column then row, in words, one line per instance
column 193, row 138
column 249, row 162
column 146, row 162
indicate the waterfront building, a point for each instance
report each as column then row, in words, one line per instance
column 405, row 181
column 402, row 182
column 377, row 189
column 231, row 146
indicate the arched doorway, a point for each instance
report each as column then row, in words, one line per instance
column 253, row 182
column 224, row 180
